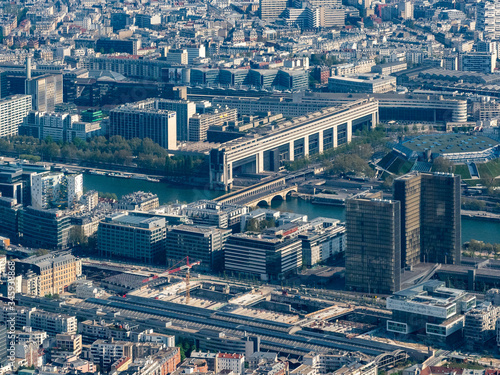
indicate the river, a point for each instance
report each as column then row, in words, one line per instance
column 482, row 230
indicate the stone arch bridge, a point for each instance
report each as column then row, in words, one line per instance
column 262, row 192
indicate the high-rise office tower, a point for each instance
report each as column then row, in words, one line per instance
column 408, row 190
column 441, row 218
column 46, row 91
column 430, row 217
column 373, row 252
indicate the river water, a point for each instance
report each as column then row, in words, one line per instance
column 487, row 231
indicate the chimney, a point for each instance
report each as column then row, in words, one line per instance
column 28, row 67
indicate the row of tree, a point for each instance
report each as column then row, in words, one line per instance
column 143, row 153
column 348, row 158
column 479, row 248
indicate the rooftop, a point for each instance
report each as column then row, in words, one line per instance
column 450, row 143
column 432, row 292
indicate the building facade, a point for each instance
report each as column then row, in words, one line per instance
column 430, row 218
column 373, row 253
column 132, row 237
column 46, row 91
column 13, row 111
column 200, row 243
column 54, row 272
column 130, row 121
column 268, row 257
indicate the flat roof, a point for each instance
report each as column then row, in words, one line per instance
column 450, row 143
column 432, row 292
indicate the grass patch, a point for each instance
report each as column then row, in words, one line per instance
column 490, row 169
column 466, row 365
column 463, row 171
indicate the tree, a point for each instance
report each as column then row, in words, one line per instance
column 252, row 225
column 51, row 150
column 31, row 158
column 388, row 181
column 76, row 236
column 108, row 196
column 348, row 163
column 40, row 252
column 441, row 164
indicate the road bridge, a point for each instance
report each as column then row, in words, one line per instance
column 261, row 192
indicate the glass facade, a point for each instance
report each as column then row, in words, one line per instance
column 373, row 254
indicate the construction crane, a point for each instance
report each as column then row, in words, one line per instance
column 186, row 267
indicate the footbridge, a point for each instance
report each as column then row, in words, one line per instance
column 262, row 192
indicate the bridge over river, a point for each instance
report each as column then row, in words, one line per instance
column 264, row 191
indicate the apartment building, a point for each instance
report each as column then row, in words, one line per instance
column 481, row 62
column 200, row 123
column 29, row 335
column 105, row 353
column 13, row 111
column 51, row 190
column 480, row 325
column 325, row 238
column 231, row 362
column 54, row 271
column 130, row 121
column 67, row 345
column 138, row 201
column 53, row 323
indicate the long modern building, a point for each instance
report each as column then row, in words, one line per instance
column 369, row 83
column 373, row 253
column 309, row 134
column 430, row 308
column 391, row 106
